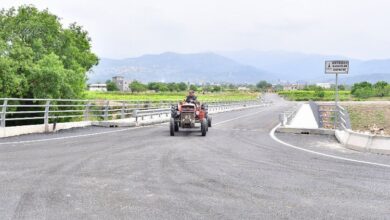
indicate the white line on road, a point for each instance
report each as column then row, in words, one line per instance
column 242, row 116
column 272, row 134
column 68, row 137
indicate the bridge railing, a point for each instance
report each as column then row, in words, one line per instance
column 333, row 117
column 44, row 111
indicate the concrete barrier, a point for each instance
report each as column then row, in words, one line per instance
column 347, row 137
column 320, row 131
column 364, row 142
column 31, row 129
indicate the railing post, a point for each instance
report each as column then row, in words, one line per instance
column 86, row 111
column 46, row 116
column 123, row 110
column 4, row 113
column 282, row 119
column 106, row 110
column 336, row 117
column 135, row 114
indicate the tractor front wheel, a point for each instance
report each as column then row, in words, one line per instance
column 172, row 127
column 203, row 127
column 209, row 120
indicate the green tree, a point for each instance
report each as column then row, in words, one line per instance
column 39, row 58
column 342, row 87
column 158, row 86
column 319, row 92
column 217, row 88
column 380, row 88
column 263, row 85
column 173, row 87
column 182, row 86
column 136, row 86
column 111, row 86
column 360, row 86
column 278, row 88
column 193, row 87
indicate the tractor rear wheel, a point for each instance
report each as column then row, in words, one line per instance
column 172, row 127
column 203, row 127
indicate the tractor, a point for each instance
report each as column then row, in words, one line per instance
column 187, row 115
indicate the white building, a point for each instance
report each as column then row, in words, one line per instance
column 97, row 87
column 243, row 88
column 324, row 85
column 121, row 83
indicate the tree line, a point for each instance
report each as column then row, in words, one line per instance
column 367, row 90
column 137, row 86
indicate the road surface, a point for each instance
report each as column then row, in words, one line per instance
column 238, row 171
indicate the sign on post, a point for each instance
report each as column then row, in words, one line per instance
column 337, row 67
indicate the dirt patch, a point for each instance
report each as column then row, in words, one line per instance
column 373, row 117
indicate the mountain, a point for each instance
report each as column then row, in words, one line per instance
column 293, row 66
column 169, row 67
column 246, row 66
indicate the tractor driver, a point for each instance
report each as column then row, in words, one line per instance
column 191, row 98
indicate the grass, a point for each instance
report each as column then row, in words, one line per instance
column 303, row 95
column 172, row 96
column 374, row 118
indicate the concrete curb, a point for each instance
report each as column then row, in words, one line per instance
column 364, row 142
column 319, row 131
column 32, row 129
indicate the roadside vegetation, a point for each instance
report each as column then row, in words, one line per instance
column 370, row 117
column 359, row 92
column 154, row 91
column 173, row 96
column 319, row 95
column 39, row 58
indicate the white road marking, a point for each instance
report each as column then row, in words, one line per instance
column 272, row 134
column 242, row 116
column 107, row 132
column 68, row 137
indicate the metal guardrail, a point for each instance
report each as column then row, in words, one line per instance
column 343, row 118
column 333, row 117
column 15, row 111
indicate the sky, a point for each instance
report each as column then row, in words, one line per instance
column 129, row 28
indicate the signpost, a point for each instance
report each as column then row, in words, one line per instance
column 336, row 67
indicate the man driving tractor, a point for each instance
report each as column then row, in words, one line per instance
column 191, row 98
column 188, row 113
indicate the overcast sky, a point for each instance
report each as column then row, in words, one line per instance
column 127, row 28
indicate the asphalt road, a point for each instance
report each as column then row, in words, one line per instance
column 236, row 172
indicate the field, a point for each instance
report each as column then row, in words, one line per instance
column 303, row 95
column 370, row 117
column 172, row 96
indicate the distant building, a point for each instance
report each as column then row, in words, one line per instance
column 288, row 87
column 324, row 85
column 242, row 88
column 97, row 87
column 121, row 83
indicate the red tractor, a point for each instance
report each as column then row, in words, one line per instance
column 186, row 115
